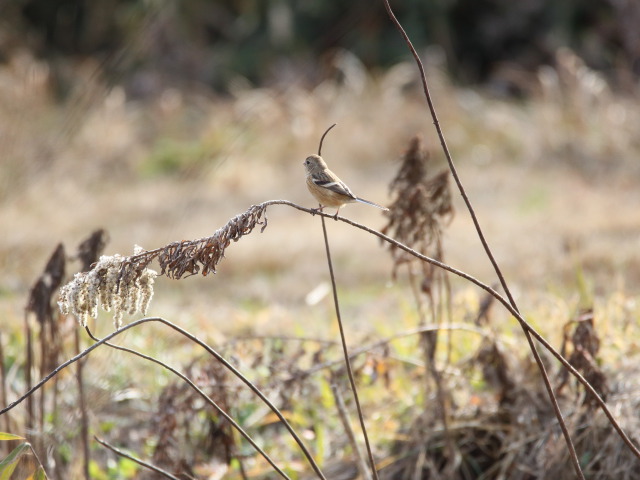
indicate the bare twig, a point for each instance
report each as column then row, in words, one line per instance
column 343, row 338
column 381, row 343
column 322, row 138
column 28, row 333
column 142, row 463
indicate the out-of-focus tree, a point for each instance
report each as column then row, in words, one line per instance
column 149, row 44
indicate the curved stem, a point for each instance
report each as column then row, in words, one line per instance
column 193, row 338
column 199, row 391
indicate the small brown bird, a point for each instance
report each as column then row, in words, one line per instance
column 327, row 188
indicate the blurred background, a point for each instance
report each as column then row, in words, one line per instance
column 160, row 120
column 149, row 46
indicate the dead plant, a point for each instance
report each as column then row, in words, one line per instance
column 585, row 344
column 125, row 284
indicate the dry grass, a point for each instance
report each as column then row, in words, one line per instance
column 559, row 168
column 554, row 181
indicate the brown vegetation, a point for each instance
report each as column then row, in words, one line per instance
column 446, row 385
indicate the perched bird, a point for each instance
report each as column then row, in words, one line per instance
column 327, row 188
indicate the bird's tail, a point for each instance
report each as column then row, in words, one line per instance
column 362, row 200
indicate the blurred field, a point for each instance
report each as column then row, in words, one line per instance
column 555, row 181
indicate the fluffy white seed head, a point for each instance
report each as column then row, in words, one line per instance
column 105, row 285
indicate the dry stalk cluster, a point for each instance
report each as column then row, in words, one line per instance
column 189, row 436
column 125, row 284
column 584, row 355
column 418, row 215
column 420, row 211
column 46, row 345
column 422, row 204
column 506, row 429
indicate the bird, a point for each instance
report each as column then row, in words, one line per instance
column 327, row 188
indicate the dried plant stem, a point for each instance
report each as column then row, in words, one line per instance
column 345, row 350
column 446, row 281
column 243, row 474
column 254, row 389
column 84, row 418
column 445, row 148
column 428, row 342
column 434, row 116
column 344, row 418
column 142, row 463
column 322, row 138
column 44, row 354
column 197, row 389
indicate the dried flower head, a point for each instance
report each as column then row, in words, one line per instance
column 92, row 247
column 584, row 357
column 102, row 286
column 43, row 290
column 125, row 284
column 422, row 204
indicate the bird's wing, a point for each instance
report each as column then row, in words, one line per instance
column 333, row 184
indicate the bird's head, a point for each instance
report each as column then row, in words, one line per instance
column 314, row 163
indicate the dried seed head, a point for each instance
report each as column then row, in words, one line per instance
column 422, row 204
column 106, row 285
column 43, row 290
column 125, row 284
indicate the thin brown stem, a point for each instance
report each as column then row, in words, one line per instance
column 322, row 138
column 445, row 148
column 428, row 343
column 434, row 116
column 44, row 354
column 31, row 422
column 345, row 350
column 381, row 343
